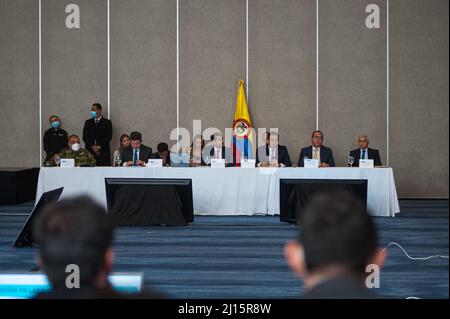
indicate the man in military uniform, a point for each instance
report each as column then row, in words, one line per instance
column 55, row 138
column 82, row 157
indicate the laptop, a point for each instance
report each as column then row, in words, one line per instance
column 179, row 160
column 25, row 238
column 26, row 285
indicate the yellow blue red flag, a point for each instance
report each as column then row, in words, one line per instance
column 243, row 139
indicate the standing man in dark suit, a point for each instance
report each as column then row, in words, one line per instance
column 273, row 154
column 364, row 152
column 331, row 255
column 97, row 134
column 317, row 151
column 137, row 154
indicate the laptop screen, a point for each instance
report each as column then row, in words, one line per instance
column 179, row 159
column 25, row 286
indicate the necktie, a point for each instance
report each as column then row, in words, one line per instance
column 316, row 153
column 96, row 131
column 363, row 154
column 135, row 159
column 272, row 155
column 217, row 154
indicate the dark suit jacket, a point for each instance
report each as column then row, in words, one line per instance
column 282, row 152
column 156, row 156
column 326, row 155
column 98, row 134
column 372, row 154
column 227, row 154
column 341, row 288
column 145, row 153
column 55, row 140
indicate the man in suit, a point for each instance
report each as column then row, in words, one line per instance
column 337, row 242
column 364, row 152
column 78, row 232
column 317, row 151
column 137, row 154
column 97, row 134
column 273, row 154
column 163, row 153
column 218, row 150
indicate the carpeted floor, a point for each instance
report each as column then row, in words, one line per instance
column 242, row 256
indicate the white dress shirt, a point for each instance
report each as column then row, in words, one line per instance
column 217, row 152
column 272, row 154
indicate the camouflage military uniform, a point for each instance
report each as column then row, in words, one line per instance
column 82, row 157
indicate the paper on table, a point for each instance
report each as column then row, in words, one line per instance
column 311, row 163
column 217, row 163
column 366, row 163
column 67, row 162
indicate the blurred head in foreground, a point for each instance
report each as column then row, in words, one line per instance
column 336, row 243
column 75, row 232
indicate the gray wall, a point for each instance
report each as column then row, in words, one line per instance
column 282, row 69
column 352, row 77
column 19, row 111
column 419, row 97
column 74, row 63
column 212, row 50
column 143, row 69
column 212, row 60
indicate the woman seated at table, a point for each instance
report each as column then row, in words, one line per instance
column 124, row 143
column 195, row 151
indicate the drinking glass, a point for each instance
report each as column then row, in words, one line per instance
column 57, row 160
column 118, row 160
column 350, row 161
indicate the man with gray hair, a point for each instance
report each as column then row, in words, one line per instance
column 364, row 152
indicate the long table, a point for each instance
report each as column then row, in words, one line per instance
column 225, row 191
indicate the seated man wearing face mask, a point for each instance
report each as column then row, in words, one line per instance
column 82, row 157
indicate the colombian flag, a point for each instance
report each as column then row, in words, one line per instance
column 243, row 139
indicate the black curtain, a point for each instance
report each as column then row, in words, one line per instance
column 135, row 205
column 302, row 194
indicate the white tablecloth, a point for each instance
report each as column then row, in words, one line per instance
column 227, row 191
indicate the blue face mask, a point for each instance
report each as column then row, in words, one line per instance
column 93, row 114
column 55, row 124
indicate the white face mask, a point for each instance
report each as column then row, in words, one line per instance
column 75, row 147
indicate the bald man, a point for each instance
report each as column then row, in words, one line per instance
column 364, row 152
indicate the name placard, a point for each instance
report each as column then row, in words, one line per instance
column 248, row 163
column 311, row 163
column 366, row 163
column 154, row 163
column 67, row 162
column 217, row 163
